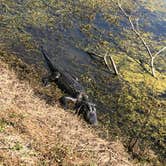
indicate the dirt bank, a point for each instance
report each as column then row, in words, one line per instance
column 35, row 133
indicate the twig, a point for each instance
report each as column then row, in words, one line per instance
column 142, row 40
column 160, row 51
column 112, row 62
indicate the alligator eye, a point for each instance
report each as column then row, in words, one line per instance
column 86, row 96
column 58, row 75
column 94, row 109
column 90, row 108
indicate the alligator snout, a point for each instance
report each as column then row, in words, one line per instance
column 90, row 114
column 92, row 117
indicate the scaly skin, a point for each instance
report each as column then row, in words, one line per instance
column 67, row 83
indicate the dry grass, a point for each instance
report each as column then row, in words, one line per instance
column 35, row 133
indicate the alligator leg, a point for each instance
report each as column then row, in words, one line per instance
column 51, row 78
column 65, row 99
column 79, row 109
column 77, row 106
column 46, row 80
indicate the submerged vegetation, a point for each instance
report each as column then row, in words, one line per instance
column 131, row 102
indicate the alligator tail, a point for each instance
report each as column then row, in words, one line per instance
column 48, row 61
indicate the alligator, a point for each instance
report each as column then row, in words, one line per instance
column 71, row 86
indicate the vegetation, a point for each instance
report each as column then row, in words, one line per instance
column 33, row 132
column 117, row 35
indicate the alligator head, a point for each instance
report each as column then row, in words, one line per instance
column 88, row 110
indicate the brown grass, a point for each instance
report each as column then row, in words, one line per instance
column 35, row 133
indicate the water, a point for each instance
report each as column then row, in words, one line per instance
column 62, row 46
column 156, row 22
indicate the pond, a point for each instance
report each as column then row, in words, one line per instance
column 69, row 39
column 61, row 46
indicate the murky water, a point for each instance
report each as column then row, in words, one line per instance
column 60, row 48
column 65, row 47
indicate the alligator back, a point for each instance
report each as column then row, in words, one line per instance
column 69, row 84
column 48, row 61
column 66, row 82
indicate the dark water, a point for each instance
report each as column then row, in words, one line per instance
column 62, row 46
column 156, row 22
column 64, row 54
